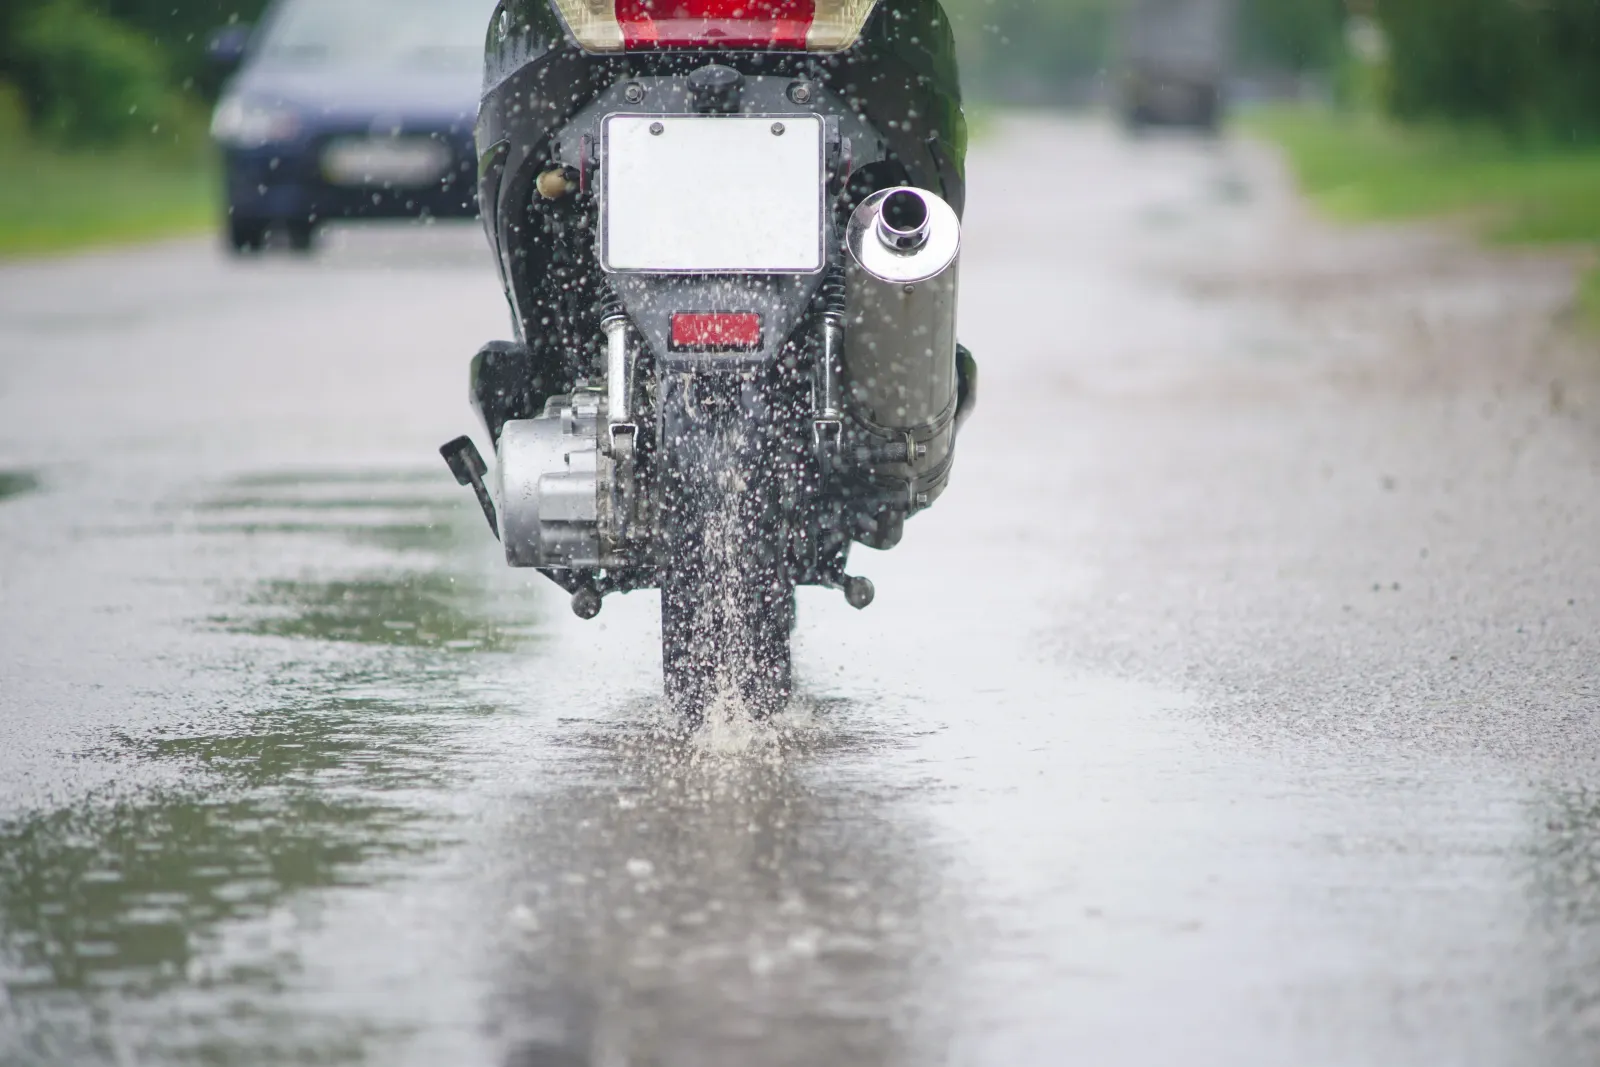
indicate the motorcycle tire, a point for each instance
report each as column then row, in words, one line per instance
column 245, row 237
column 727, row 599
column 302, row 236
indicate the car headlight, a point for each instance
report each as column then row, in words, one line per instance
column 241, row 124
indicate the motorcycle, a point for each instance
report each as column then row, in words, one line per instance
column 729, row 235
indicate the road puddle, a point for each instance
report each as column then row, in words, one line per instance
column 410, row 597
column 661, row 901
column 422, row 611
column 178, row 902
column 137, row 918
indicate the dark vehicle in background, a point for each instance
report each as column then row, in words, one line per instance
column 349, row 109
column 729, row 232
column 1174, row 57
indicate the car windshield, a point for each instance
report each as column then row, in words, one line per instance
column 402, row 33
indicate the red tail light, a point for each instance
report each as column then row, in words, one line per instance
column 716, row 331
column 715, row 23
column 814, row 25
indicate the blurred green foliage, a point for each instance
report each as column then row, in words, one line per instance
column 1361, row 167
column 1368, row 168
column 181, row 29
column 1295, row 35
column 84, row 77
column 54, row 198
column 99, row 72
column 1531, row 67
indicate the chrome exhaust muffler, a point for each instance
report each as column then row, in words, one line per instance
column 898, row 368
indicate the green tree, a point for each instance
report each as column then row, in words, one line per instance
column 98, row 71
column 1296, row 35
column 1531, row 66
column 85, row 78
column 182, row 28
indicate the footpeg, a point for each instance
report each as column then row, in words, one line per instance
column 467, row 465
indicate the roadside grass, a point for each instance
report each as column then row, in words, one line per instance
column 53, row 200
column 1361, row 168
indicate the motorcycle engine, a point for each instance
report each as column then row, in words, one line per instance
column 554, row 480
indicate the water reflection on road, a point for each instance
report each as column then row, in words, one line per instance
column 15, row 483
column 178, row 910
column 674, row 903
column 630, row 891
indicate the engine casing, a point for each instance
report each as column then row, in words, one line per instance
column 550, row 474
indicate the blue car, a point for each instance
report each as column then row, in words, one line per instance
column 349, row 109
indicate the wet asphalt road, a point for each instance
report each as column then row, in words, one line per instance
column 1238, row 705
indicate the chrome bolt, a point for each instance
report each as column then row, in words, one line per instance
column 777, row 129
column 800, row 93
column 657, row 129
column 633, row 92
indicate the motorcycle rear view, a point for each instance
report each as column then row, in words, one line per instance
column 729, row 232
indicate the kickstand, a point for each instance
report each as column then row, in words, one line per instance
column 468, row 467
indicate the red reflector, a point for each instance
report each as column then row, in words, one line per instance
column 715, row 23
column 718, row 331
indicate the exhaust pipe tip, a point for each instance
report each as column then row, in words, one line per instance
column 904, row 221
column 903, row 235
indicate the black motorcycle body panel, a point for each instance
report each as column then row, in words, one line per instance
column 893, row 112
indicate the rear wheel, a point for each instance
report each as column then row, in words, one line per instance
column 727, row 599
column 302, row 236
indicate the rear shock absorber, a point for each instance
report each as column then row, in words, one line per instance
column 825, row 397
column 622, row 432
column 619, row 357
column 610, row 303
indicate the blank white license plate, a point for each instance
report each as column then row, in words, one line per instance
column 712, row 194
column 386, row 161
